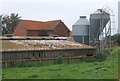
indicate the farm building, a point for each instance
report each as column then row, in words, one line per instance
column 27, row 49
column 38, row 28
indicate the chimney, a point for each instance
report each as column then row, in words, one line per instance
column 82, row 16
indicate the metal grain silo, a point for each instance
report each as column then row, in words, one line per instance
column 80, row 30
column 98, row 21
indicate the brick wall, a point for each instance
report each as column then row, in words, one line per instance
column 33, row 33
column 20, row 30
column 62, row 30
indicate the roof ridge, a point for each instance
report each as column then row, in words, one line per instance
column 39, row 21
column 37, row 25
column 57, row 24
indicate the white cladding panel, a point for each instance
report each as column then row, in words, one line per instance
column 119, row 17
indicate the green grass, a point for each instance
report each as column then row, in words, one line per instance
column 107, row 69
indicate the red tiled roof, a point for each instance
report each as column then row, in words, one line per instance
column 39, row 25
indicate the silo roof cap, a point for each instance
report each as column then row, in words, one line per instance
column 82, row 16
column 100, row 11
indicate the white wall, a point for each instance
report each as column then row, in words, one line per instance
column 119, row 17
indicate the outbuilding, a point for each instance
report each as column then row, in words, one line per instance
column 39, row 28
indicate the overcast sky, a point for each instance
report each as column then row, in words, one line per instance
column 66, row 10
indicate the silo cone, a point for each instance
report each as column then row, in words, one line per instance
column 98, row 21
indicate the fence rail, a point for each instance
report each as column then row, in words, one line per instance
column 44, row 59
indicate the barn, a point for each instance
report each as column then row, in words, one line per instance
column 39, row 28
column 38, row 49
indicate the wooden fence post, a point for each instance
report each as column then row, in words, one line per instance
column 6, row 65
column 69, row 60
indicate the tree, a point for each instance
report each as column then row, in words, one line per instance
column 118, row 39
column 114, row 38
column 0, row 25
column 9, row 22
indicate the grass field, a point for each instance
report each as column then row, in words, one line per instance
column 107, row 69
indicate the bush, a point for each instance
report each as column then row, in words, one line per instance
column 65, row 55
column 33, row 76
column 24, row 64
column 60, row 60
column 118, row 40
column 101, row 56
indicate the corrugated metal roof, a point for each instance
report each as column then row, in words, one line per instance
column 12, row 45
